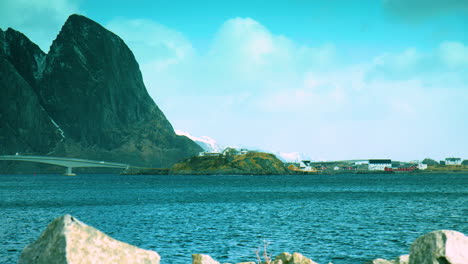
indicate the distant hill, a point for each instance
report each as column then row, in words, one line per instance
column 252, row 163
column 84, row 99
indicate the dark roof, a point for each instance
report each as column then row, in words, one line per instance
column 453, row 159
column 380, row 161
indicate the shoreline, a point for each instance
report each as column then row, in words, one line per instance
column 168, row 172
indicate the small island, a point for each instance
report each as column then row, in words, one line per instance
column 231, row 161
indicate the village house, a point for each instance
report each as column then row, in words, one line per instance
column 379, row 164
column 243, row 151
column 453, row 161
column 209, row 154
column 306, row 165
column 422, row 166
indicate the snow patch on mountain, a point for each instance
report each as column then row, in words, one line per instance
column 208, row 144
column 290, row 156
column 295, row 157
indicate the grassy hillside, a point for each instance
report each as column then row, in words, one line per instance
column 447, row 168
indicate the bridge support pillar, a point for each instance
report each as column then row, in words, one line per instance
column 69, row 172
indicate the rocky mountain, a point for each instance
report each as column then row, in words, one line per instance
column 85, row 98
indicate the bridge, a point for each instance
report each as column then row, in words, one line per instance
column 69, row 163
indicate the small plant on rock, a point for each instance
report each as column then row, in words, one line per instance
column 264, row 254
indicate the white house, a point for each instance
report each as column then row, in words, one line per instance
column 453, row 161
column 243, row 151
column 422, row 166
column 209, row 154
column 336, row 168
column 379, row 164
column 306, row 165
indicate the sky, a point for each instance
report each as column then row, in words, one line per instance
column 329, row 79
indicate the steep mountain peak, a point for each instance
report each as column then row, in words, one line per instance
column 85, row 34
column 81, row 26
column 80, row 19
column 15, row 36
column 90, row 75
column 24, row 54
column 93, row 88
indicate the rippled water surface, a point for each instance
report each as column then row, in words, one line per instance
column 342, row 218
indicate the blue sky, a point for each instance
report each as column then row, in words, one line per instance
column 328, row 79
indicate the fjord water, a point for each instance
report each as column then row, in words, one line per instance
column 338, row 218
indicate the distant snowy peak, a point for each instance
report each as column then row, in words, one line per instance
column 208, row 144
column 292, row 156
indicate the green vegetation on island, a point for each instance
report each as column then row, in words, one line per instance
column 252, row 163
column 446, row 169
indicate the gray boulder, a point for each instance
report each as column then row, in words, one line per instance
column 400, row 260
column 67, row 240
column 295, row 258
column 381, row 261
column 440, row 247
column 284, row 257
column 203, row 259
column 298, row 258
column 404, row 259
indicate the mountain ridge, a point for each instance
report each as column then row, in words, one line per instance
column 88, row 99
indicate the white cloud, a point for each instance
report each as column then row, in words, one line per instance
column 445, row 66
column 255, row 59
column 255, row 88
column 153, row 42
column 40, row 20
column 243, row 39
column 400, row 61
column 454, row 54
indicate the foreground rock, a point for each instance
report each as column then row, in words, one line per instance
column 67, row 240
column 295, row 258
column 203, row 259
column 381, row 261
column 283, row 258
column 437, row 247
column 440, row 247
column 400, row 260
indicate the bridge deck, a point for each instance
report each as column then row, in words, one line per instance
column 65, row 162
